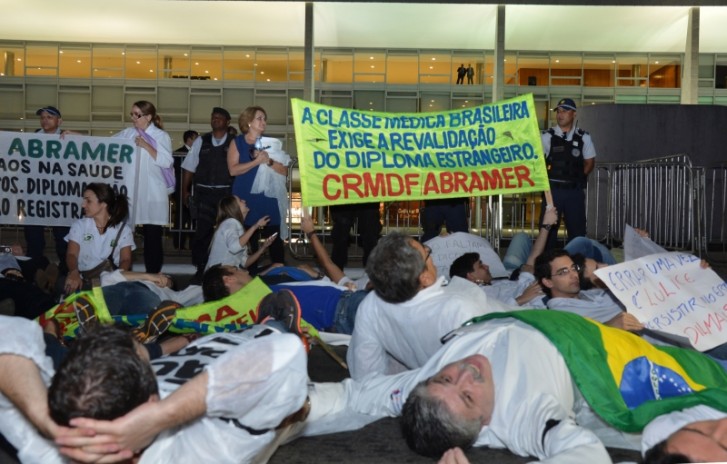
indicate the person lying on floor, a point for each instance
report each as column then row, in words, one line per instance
column 230, row 406
column 547, row 384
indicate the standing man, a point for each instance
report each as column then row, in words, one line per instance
column 451, row 212
column 50, row 123
column 181, row 211
column 206, row 164
column 470, row 74
column 461, row 72
column 570, row 156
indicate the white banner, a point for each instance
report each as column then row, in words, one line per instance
column 42, row 176
column 445, row 249
column 671, row 293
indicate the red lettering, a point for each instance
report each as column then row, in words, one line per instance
column 507, row 172
column 352, row 182
column 329, row 178
column 411, row 180
column 373, row 187
column 224, row 312
column 390, row 184
column 204, row 318
column 523, row 174
column 460, row 182
column 492, row 182
column 430, row 184
column 446, row 182
column 475, row 182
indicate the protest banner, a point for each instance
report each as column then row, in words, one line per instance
column 42, row 176
column 445, row 249
column 350, row 156
column 672, row 294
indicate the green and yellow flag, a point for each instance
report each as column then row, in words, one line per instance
column 351, row 156
column 626, row 380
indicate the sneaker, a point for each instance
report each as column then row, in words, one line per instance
column 283, row 307
column 157, row 322
column 85, row 313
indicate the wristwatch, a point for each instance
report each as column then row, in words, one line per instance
column 547, row 226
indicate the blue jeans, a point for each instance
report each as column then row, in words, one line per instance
column 346, row 310
column 521, row 246
column 127, row 298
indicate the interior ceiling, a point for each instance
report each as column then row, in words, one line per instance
column 361, row 25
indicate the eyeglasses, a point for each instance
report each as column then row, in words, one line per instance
column 428, row 251
column 136, row 115
column 567, row 270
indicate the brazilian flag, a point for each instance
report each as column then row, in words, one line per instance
column 626, row 380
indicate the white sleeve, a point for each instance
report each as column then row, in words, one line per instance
column 366, row 355
column 545, row 140
column 231, row 233
column 76, row 233
column 350, row 405
column 259, row 382
column 589, row 150
column 568, row 443
column 164, row 149
column 191, row 160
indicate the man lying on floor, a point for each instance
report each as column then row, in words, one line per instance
column 224, row 396
column 529, row 381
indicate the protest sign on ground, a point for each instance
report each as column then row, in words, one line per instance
column 672, row 293
column 447, row 248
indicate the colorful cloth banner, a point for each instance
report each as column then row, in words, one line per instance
column 350, row 156
column 626, row 380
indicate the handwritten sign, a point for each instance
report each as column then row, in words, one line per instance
column 42, row 176
column 450, row 247
column 350, row 156
column 671, row 293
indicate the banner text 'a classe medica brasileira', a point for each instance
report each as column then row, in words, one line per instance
column 350, row 156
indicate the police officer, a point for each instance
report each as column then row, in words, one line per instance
column 570, row 156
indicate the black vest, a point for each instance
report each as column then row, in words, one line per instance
column 212, row 168
column 565, row 160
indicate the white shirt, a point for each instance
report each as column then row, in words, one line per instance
column 255, row 379
column 226, row 248
column 596, row 304
column 94, row 247
column 191, row 161
column 588, row 150
column 532, row 386
column 152, row 203
column 407, row 333
column 506, row 291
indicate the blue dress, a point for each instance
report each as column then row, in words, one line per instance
column 259, row 204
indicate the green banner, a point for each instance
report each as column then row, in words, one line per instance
column 350, row 156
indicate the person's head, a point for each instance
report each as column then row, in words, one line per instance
column 469, row 266
column 450, row 408
column 143, row 113
column 102, row 377
column 399, row 267
column 232, row 206
column 700, row 441
column 253, row 118
column 100, row 200
column 220, row 281
column 50, row 119
column 557, row 274
column 189, row 137
column 565, row 113
column 219, row 120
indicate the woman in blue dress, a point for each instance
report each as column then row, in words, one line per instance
column 244, row 161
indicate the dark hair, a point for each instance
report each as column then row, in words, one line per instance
column 189, row 134
column 430, row 429
column 394, row 267
column 229, row 207
column 213, row 283
column 102, row 377
column 116, row 205
column 580, row 261
column 464, row 265
column 542, row 265
column 658, row 454
column 247, row 116
column 148, row 108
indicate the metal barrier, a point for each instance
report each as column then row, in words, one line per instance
column 715, row 211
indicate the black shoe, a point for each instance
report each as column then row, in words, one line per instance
column 157, row 322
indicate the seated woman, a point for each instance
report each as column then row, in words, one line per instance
column 229, row 244
column 101, row 241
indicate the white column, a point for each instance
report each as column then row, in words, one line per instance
column 690, row 66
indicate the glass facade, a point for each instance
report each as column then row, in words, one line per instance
column 95, row 84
